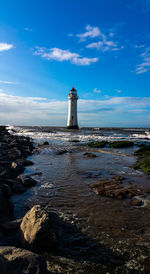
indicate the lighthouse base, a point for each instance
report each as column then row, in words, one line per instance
column 72, row 127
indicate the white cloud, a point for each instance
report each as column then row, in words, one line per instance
column 7, row 82
column 91, row 32
column 61, row 55
column 97, row 90
column 145, row 64
column 5, row 46
column 28, row 29
column 119, row 90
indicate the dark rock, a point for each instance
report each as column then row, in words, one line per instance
column 6, row 190
column 4, row 207
column 46, row 143
column 121, row 144
column 26, row 181
column 89, row 155
column 61, row 152
column 97, row 144
column 11, row 226
column 18, row 188
column 137, row 202
column 40, row 229
column 20, row 261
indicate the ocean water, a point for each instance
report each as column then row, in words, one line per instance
column 64, row 174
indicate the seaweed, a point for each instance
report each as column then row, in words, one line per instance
column 97, row 144
column 121, row 144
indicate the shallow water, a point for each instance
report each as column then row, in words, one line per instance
column 64, row 186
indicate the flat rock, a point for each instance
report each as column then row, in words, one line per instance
column 26, row 181
column 20, row 261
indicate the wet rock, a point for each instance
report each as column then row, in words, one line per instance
column 121, row 144
column 11, row 226
column 6, row 190
column 113, row 188
column 97, row 144
column 89, row 155
column 4, row 207
column 20, row 261
column 18, row 188
column 46, row 143
column 26, row 181
column 61, row 152
column 137, row 202
column 40, row 229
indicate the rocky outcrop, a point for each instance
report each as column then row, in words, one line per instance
column 40, row 229
column 113, row 188
column 20, row 261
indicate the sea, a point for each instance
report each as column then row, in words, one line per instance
column 64, row 174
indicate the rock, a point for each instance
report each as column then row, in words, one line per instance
column 26, row 181
column 60, row 152
column 113, row 188
column 148, row 205
column 137, row 202
column 5, row 207
column 20, row 261
column 11, row 226
column 18, row 188
column 89, row 155
column 46, row 143
column 40, row 230
column 6, row 190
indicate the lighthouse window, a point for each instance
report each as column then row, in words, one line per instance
column 72, row 117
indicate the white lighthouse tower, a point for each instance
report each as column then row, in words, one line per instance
column 72, row 111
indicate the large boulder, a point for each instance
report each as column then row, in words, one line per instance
column 20, row 261
column 40, row 229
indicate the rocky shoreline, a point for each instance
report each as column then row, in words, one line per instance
column 46, row 241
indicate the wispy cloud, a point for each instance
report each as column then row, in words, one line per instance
column 96, row 90
column 61, row 55
column 7, row 82
column 145, row 64
column 91, row 32
column 118, row 90
column 104, row 44
column 5, row 46
column 28, row 29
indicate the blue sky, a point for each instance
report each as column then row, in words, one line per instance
column 102, row 47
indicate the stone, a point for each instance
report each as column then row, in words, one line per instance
column 137, row 202
column 46, row 143
column 6, row 190
column 4, row 207
column 11, row 226
column 89, row 155
column 40, row 229
column 26, row 181
column 20, row 261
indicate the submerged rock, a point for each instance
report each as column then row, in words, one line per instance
column 20, row 261
column 113, row 188
column 89, row 155
column 121, row 144
column 40, row 229
column 26, row 181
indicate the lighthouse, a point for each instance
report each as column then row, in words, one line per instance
column 72, row 110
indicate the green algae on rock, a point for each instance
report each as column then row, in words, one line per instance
column 97, row 144
column 121, row 144
column 143, row 162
